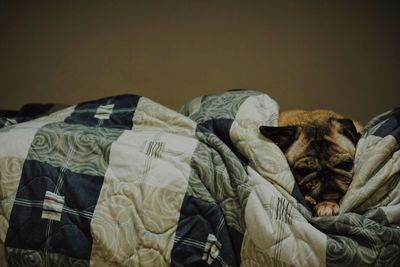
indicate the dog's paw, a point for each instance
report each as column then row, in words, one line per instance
column 326, row 208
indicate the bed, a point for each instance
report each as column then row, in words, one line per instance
column 125, row 181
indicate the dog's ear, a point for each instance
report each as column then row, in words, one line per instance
column 283, row 137
column 348, row 129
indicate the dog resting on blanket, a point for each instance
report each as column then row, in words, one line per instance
column 319, row 146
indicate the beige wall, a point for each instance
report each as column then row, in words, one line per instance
column 343, row 55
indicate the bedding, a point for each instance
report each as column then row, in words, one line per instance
column 125, row 181
column 28, row 112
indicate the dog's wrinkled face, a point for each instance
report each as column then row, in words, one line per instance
column 321, row 159
column 321, row 155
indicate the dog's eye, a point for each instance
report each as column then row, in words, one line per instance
column 304, row 171
column 345, row 165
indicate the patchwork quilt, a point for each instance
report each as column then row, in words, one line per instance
column 125, row 181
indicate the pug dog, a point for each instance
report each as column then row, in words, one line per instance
column 319, row 146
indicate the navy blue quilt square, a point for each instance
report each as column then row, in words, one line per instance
column 202, row 231
column 70, row 236
column 52, row 211
column 390, row 127
column 221, row 127
column 110, row 112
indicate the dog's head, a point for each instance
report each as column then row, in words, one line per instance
column 320, row 154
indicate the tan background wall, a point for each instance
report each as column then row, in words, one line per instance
column 343, row 55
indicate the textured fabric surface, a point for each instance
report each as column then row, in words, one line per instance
column 124, row 181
